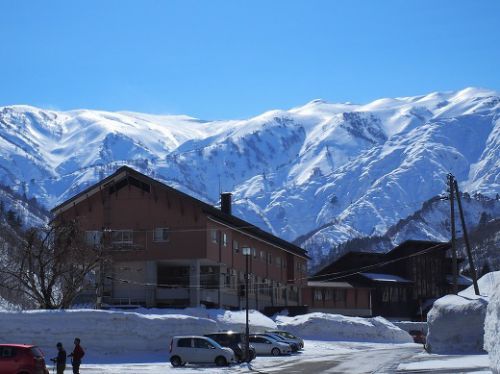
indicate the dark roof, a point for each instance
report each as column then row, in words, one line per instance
column 345, row 262
column 207, row 208
column 410, row 247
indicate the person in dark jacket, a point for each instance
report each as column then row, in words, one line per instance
column 60, row 360
column 76, row 356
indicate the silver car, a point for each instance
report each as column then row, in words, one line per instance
column 198, row 349
column 288, row 336
column 266, row 345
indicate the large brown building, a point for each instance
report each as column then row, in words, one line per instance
column 170, row 249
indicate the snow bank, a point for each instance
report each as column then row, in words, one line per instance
column 492, row 330
column 326, row 326
column 225, row 319
column 105, row 333
column 456, row 322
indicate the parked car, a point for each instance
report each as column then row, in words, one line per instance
column 288, row 336
column 235, row 341
column 294, row 345
column 21, row 359
column 418, row 336
column 266, row 345
column 199, row 349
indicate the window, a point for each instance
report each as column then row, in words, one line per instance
column 318, row 295
column 161, row 234
column 254, row 253
column 202, row 343
column 7, row 352
column 93, row 237
column 224, row 239
column 236, row 247
column 121, row 237
column 262, row 256
column 184, row 343
column 213, row 236
column 269, row 259
column 278, row 261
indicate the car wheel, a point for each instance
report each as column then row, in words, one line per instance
column 175, row 361
column 275, row 352
column 220, row 361
column 252, row 355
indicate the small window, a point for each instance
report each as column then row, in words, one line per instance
column 7, row 352
column 278, row 261
column 213, row 236
column 269, row 259
column 184, row 343
column 93, row 237
column 224, row 239
column 121, row 237
column 161, row 234
column 262, row 256
column 236, row 247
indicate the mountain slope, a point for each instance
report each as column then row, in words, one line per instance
column 325, row 172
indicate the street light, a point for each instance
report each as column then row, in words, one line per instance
column 246, row 251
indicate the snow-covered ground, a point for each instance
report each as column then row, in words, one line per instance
column 317, row 357
column 138, row 342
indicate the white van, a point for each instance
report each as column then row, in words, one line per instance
column 198, row 349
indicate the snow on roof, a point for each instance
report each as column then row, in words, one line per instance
column 330, row 284
column 462, row 280
column 385, row 278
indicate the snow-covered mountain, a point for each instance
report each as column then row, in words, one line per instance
column 351, row 170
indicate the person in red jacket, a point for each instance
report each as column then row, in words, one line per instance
column 76, row 356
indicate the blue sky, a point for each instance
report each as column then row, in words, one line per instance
column 234, row 59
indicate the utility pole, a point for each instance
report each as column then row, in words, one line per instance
column 454, row 263
column 466, row 239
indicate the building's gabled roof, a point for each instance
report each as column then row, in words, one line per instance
column 410, row 247
column 217, row 214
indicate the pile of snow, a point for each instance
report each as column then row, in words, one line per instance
column 105, row 333
column 224, row 319
column 326, row 326
column 492, row 330
column 456, row 322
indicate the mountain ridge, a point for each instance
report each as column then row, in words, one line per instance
column 361, row 166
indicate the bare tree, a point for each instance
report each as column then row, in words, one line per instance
column 49, row 266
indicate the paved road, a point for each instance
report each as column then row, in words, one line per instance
column 377, row 361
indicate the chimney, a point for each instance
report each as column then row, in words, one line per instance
column 225, row 202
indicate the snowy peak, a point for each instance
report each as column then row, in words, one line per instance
column 351, row 170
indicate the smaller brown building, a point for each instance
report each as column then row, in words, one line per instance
column 170, row 249
column 402, row 283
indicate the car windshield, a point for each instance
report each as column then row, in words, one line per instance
column 213, row 342
column 287, row 335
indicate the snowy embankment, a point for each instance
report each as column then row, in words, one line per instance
column 456, row 322
column 108, row 333
column 148, row 331
column 492, row 329
column 325, row 326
